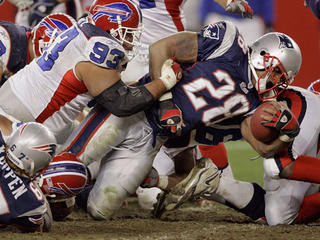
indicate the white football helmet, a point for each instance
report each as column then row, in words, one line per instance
column 31, row 147
column 274, row 53
column 120, row 18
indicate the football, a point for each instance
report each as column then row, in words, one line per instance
column 260, row 132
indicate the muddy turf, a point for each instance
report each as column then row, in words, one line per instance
column 191, row 221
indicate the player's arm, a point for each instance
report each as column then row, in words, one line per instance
column 314, row 5
column 5, row 125
column 183, row 47
column 265, row 150
column 110, row 92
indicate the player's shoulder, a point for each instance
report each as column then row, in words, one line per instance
column 219, row 31
column 12, row 30
column 218, row 38
column 101, row 48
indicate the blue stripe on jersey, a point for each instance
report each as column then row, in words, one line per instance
column 83, row 137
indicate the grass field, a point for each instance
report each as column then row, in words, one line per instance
column 239, row 154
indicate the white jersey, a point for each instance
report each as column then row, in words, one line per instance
column 49, row 88
column 284, row 197
column 161, row 18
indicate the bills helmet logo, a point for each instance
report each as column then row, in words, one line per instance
column 285, row 42
column 51, row 24
column 112, row 10
column 65, row 176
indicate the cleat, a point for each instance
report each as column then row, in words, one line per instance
column 159, row 207
column 203, row 179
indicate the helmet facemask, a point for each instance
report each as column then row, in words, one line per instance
column 274, row 59
column 123, row 35
column 122, row 19
column 273, row 81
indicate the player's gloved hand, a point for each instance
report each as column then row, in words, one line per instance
column 171, row 73
column 1, row 1
column 284, row 121
column 239, row 7
column 171, row 116
column 151, row 180
column 21, row 4
column 39, row 10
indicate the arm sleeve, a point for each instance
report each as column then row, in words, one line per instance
column 122, row 100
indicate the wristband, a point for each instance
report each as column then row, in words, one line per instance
column 285, row 138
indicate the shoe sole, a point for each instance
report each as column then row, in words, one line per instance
column 186, row 188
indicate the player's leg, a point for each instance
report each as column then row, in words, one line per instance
column 283, row 200
column 147, row 197
column 97, row 135
column 121, row 172
column 218, row 155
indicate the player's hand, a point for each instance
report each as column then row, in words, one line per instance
column 239, row 7
column 151, row 180
column 170, row 116
column 171, row 73
column 21, row 4
column 39, row 10
column 285, row 122
column 1, row 1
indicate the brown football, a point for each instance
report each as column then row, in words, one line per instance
column 260, row 132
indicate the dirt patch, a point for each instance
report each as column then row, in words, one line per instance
column 189, row 222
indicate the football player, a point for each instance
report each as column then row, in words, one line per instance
column 23, row 156
column 216, row 91
column 20, row 45
column 162, row 18
column 282, row 168
column 81, row 65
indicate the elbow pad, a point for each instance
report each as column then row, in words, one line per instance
column 122, row 100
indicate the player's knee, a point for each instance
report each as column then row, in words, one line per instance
column 103, row 204
column 96, row 213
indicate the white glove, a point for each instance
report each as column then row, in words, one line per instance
column 21, row 4
column 171, row 73
column 239, row 7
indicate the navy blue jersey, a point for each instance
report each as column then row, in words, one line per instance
column 217, row 87
column 20, row 200
column 13, row 46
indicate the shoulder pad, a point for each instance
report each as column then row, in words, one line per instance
column 5, row 47
column 216, row 39
column 102, row 49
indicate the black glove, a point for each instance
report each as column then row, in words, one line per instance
column 170, row 116
column 39, row 10
column 284, row 121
